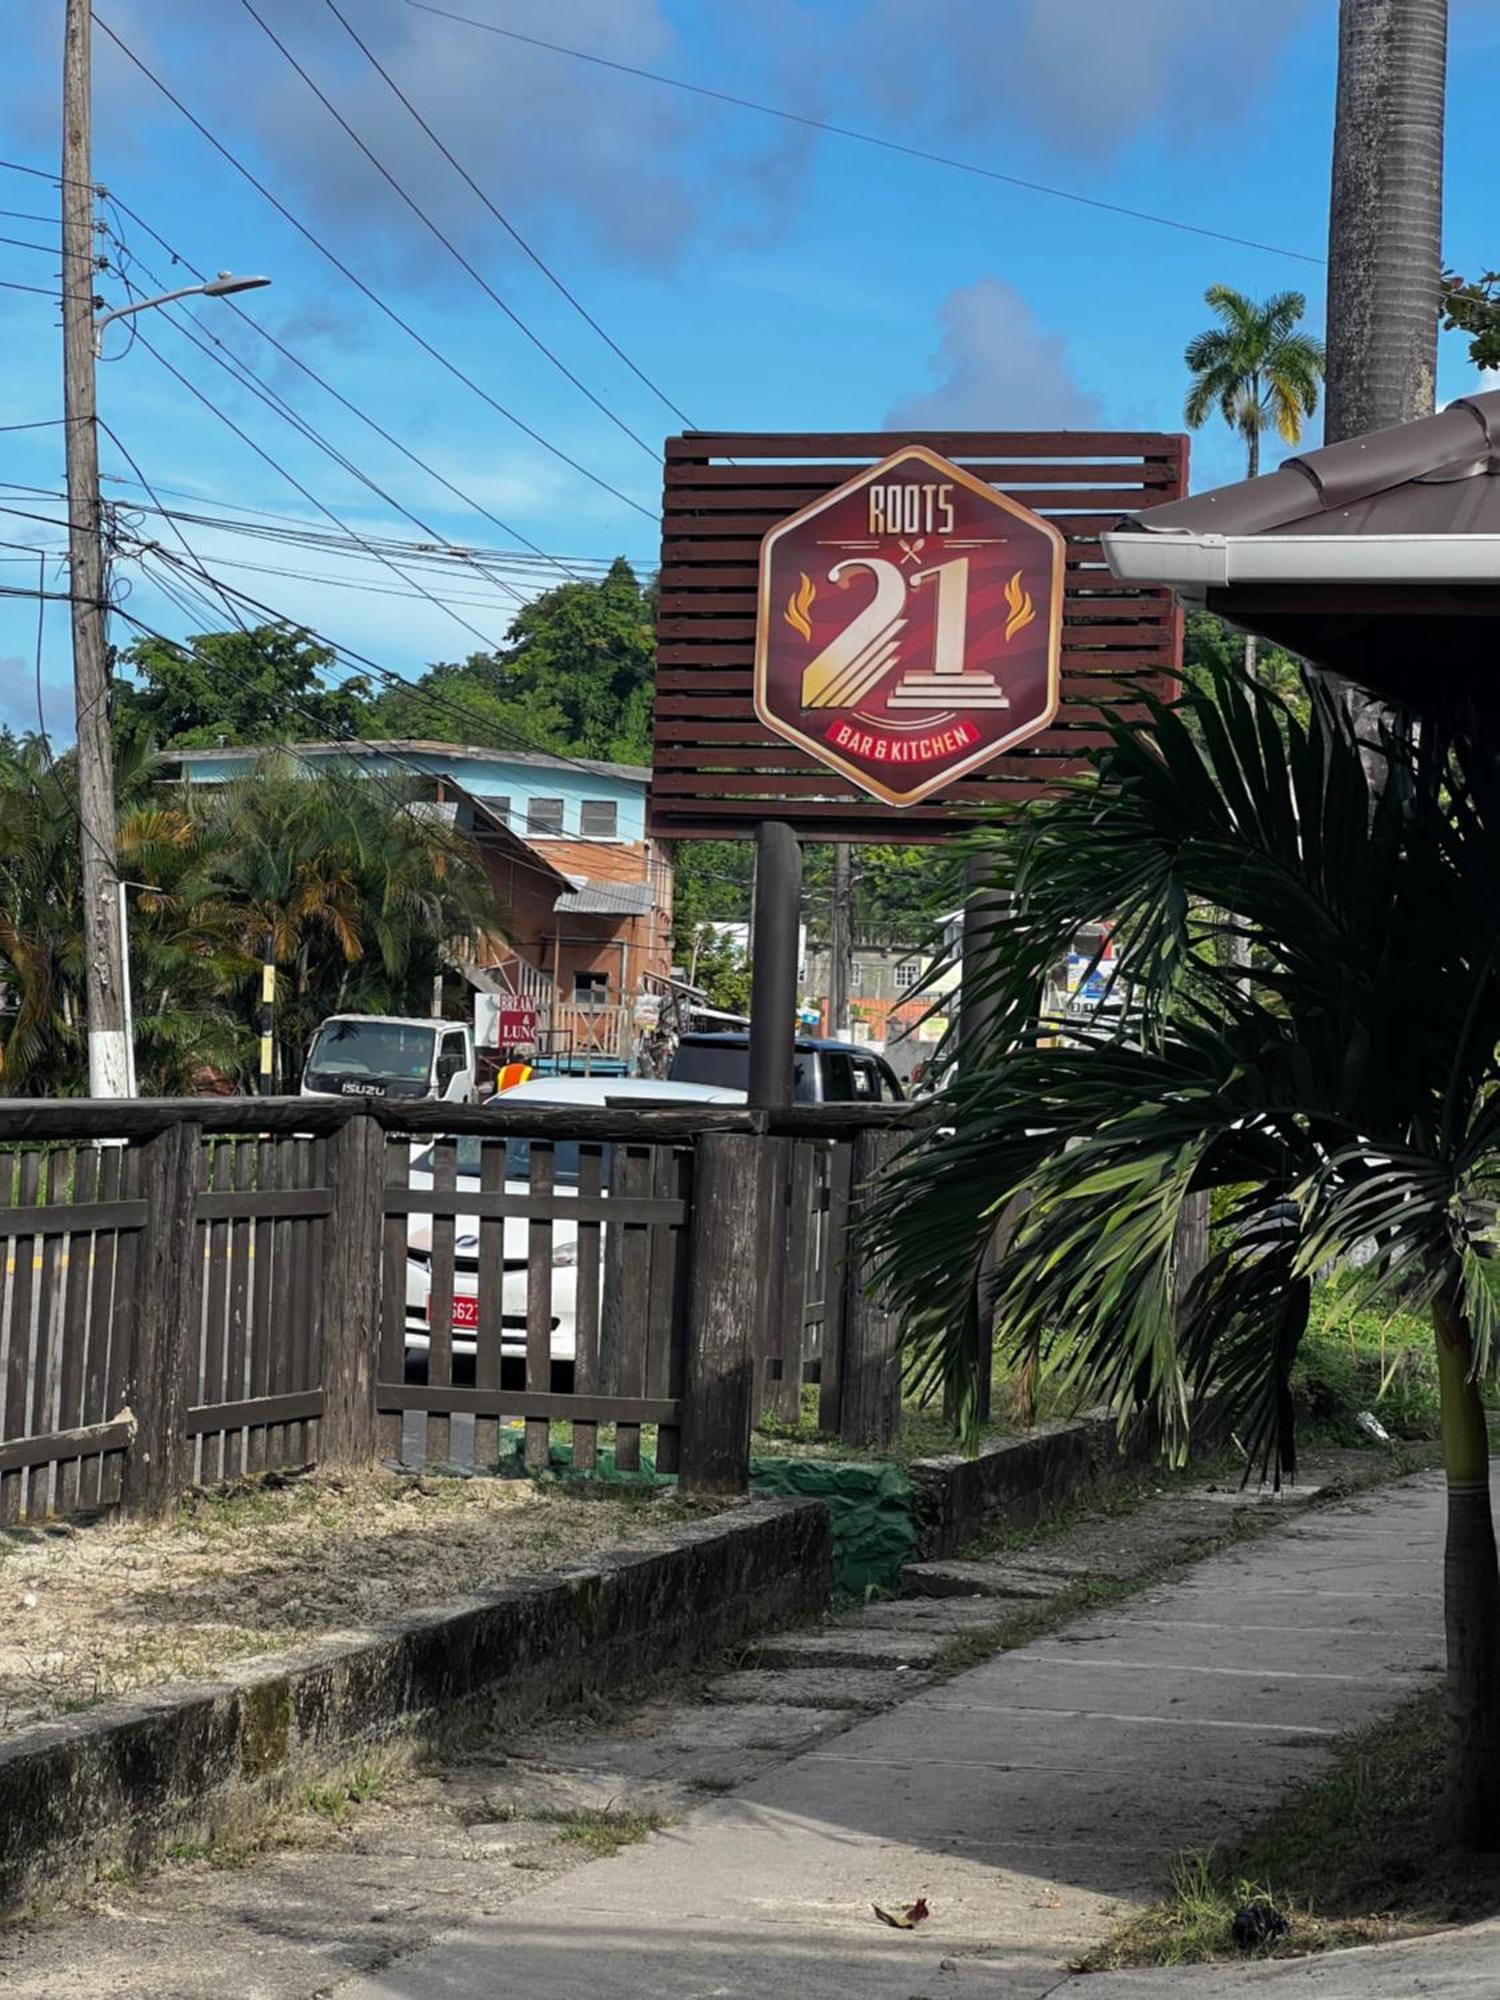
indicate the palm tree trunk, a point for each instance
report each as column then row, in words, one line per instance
column 1385, row 220
column 1471, row 1590
column 1252, row 463
column 1384, row 237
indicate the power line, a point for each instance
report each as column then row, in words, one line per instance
column 352, row 740
column 274, row 401
column 20, row 243
column 337, row 394
column 504, row 220
column 366, row 290
column 312, row 500
column 871, row 138
column 442, row 237
column 45, row 291
column 473, row 564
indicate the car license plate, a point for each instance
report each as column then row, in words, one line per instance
column 465, row 1310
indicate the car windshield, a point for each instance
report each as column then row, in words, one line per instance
column 517, row 1160
column 727, row 1064
column 389, row 1049
column 722, row 1063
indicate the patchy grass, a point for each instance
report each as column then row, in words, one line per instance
column 599, row 1830
column 367, row 1784
column 925, row 1432
column 1353, row 1856
column 264, row 1565
column 1379, row 1358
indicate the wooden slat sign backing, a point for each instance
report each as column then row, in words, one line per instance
column 716, row 768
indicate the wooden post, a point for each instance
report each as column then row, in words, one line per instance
column 164, row 1358
column 835, row 1286
column 870, row 1391
column 350, row 1282
column 725, row 1295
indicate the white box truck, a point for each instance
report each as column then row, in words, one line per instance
column 388, row 1055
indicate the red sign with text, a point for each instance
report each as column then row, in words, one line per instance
column 516, row 1023
column 909, row 626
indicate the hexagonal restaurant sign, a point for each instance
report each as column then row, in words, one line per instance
column 909, row 626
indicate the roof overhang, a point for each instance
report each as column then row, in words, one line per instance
column 1195, row 564
column 1378, row 558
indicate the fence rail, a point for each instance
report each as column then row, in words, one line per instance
column 197, row 1289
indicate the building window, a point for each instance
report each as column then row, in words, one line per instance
column 599, row 819
column 908, row 972
column 544, row 816
column 590, row 989
column 499, row 807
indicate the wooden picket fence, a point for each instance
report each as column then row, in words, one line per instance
column 201, row 1288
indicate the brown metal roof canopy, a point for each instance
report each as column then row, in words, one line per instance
column 1378, row 558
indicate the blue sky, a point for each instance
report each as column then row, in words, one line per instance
column 764, row 275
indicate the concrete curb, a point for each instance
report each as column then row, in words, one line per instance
column 1013, row 1482
column 122, row 1783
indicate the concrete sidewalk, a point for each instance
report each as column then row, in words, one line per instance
column 1031, row 1800
column 1456, row 1965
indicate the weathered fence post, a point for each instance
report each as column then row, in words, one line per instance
column 726, row 1292
column 164, row 1356
column 870, row 1384
column 350, row 1430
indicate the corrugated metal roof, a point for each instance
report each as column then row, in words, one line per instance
column 1431, row 477
column 606, row 899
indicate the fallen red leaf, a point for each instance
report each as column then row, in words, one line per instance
column 907, row 1919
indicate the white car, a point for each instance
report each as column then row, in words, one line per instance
column 555, row 1092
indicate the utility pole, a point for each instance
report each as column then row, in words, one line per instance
column 104, row 956
column 841, row 941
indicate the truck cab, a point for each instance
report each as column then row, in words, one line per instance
column 389, row 1055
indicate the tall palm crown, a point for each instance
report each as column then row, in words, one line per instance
column 1254, row 368
column 1336, row 1087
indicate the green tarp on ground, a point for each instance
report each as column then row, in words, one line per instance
column 874, row 1525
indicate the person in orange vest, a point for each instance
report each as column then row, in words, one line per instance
column 514, row 1069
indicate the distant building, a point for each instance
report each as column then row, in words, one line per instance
column 896, row 998
column 585, row 893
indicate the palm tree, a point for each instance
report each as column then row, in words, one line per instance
column 42, row 1047
column 1336, row 1089
column 1256, row 370
column 359, row 885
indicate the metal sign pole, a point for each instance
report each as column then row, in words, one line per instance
column 774, row 939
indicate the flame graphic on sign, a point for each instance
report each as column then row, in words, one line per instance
column 799, row 604
column 1022, row 610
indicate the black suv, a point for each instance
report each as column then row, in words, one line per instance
column 823, row 1072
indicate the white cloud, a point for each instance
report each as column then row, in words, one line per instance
column 996, row 368
column 1086, row 75
column 633, row 169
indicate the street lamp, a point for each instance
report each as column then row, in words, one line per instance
column 221, row 287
